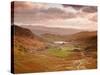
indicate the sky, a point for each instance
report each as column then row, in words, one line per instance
column 55, row 15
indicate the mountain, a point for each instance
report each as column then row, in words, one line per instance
column 49, row 30
column 87, row 39
column 24, row 39
column 24, row 47
column 84, row 36
column 22, row 32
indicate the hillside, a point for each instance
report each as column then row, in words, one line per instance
column 24, row 42
column 22, row 32
column 24, row 38
column 84, row 36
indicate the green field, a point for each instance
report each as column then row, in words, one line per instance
column 62, row 51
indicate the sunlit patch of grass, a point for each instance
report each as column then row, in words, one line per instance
column 60, row 51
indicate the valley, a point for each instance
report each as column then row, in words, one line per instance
column 53, row 52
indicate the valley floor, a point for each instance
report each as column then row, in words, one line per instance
column 55, row 58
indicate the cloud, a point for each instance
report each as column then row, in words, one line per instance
column 55, row 15
column 82, row 11
column 43, row 10
column 25, row 5
column 43, row 15
column 89, row 9
column 76, row 7
column 94, row 17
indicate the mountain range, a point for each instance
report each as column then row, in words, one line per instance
column 45, row 30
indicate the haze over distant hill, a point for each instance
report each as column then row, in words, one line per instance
column 58, row 31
